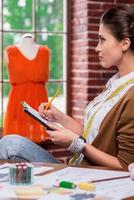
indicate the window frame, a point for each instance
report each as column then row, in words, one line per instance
column 65, row 34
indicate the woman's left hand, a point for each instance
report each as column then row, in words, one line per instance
column 61, row 136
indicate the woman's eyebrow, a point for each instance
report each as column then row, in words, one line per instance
column 99, row 36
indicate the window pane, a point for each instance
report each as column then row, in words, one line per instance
column 0, row 55
column 6, row 88
column 37, row 17
column 55, row 43
column 1, row 120
column 50, row 15
column 0, row 15
column 60, row 100
column 9, row 39
column 17, row 14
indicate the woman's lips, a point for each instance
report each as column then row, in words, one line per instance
column 100, row 57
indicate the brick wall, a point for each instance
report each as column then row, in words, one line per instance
column 87, row 78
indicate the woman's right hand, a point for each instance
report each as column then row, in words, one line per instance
column 52, row 114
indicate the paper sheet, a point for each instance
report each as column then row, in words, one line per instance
column 108, row 190
column 114, row 189
column 76, row 175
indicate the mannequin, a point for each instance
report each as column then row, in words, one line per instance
column 27, row 43
column 28, row 70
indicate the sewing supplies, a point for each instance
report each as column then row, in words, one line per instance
column 67, row 184
column 82, row 186
column 21, row 174
column 86, row 186
column 35, row 190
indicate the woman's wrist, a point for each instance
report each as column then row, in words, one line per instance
column 77, row 145
column 61, row 118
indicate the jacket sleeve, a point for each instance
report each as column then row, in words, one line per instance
column 125, row 132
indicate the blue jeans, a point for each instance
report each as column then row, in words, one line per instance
column 18, row 148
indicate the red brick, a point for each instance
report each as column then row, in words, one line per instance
column 82, row 58
column 79, row 44
column 92, row 5
column 79, row 29
column 103, row 1
column 94, row 20
column 76, row 65
column 125, row 1
column 94, row 13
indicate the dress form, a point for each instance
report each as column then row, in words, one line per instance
column 28, row 70
column 27, row 46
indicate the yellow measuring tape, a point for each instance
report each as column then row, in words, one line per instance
column 90, row 121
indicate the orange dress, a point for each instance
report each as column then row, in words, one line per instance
column 27, row 78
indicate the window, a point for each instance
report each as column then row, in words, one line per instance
column 46, row 19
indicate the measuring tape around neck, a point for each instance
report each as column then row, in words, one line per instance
column 90, row 121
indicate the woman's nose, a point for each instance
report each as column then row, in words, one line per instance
column 97, row 48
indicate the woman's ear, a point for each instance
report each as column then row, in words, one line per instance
column 126, row 44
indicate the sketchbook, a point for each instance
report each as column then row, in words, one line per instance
column 35, row 114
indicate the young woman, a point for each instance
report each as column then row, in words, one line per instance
column 107, row 138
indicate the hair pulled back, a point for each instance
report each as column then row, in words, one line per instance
column 120, row 21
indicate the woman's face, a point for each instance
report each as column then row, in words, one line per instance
column 109, row 48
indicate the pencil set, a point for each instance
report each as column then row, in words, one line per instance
column 21, row 174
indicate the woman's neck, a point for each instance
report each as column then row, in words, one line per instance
column 127, row 64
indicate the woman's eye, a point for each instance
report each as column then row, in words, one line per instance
column 102, row 39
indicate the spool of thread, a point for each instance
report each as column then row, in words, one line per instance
column 86, row 186
column 66, row 184
column 21, row 174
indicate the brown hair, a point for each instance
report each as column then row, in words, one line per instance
column 120, row 21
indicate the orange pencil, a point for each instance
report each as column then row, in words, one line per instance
column 49, row 103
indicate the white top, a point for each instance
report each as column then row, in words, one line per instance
column 105, row 106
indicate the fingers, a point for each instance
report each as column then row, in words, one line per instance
column 42, row 106
column 46, row 115
column 52, row 135
column 43, row 113
column 56, row 129
column 52, row 139
column 54, row 126
column 51, row 125
column 51, row 114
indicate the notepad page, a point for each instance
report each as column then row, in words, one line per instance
column 34, row 112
